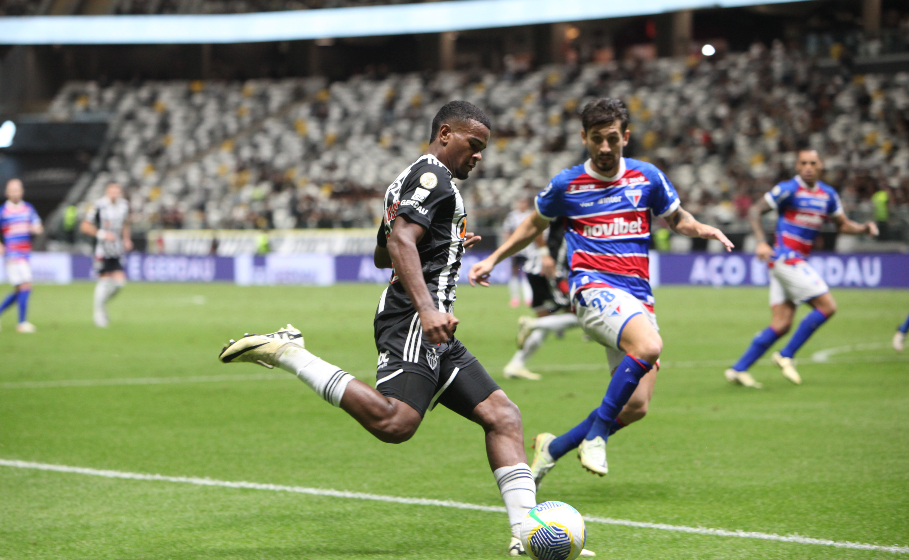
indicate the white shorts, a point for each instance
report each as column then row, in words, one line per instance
column 603, row 314
column 18, row 271
column 796, row 282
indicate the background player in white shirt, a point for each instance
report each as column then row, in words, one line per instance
column 518, row 285
column 608, row 201
column 108, row 222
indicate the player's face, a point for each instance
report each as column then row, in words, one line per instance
column 463, row 143
column 14, row 191
column 604, row 144
column 809, row 166
column 113, row 191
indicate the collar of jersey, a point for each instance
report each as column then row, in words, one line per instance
column 804, row 185
column 438, row 162
column 588, row 168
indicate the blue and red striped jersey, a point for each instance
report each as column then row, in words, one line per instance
column 608, row 223
column 802, row 211
column 16, row 222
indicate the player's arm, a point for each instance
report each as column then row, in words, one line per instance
column 127, row 237
column 91, row 230
column 438, row 327
column 523, row 235
column 845, row 225
column 682, row 222
column 763, row 250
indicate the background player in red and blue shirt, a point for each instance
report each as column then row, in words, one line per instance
column 608, row 202
column 804, row 203
column 18, row 223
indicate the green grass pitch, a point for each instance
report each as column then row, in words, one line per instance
column 827, row 460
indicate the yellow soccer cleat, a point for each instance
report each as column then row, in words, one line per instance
column 742, row 378
column 787, row 365
column 592, row 454
column 262, row 349
column 542, row 461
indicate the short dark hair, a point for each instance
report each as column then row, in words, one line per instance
column 457, row 111
column 605, row 111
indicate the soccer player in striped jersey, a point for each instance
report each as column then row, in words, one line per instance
column 421, row 364
column 107, row 222
column 803, row 203
column 608, row 202
column 18, row 223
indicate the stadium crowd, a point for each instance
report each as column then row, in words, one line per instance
column 305, row 153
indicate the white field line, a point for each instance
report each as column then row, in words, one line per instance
column 442, row 503
column 821, row 356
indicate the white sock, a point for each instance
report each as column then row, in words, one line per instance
column 532, row 344
column 114, row 286
column 328, row 381
column 519, row 492
column 528, row 291
column 514, row 286
column 557, row 322
column 101, row 289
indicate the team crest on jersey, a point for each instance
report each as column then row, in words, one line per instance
column 432, row 358
column 429, row 180
column 634, row 195
column 383, row 360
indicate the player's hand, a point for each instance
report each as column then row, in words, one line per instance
column 127, row 244
column 438, row 327
column 479, row 272
column 714, row 233
column 548, row 266
column 763, row 251
column 872, row 229
column 471, row 239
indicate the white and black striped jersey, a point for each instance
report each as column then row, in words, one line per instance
column 110, row 216
column 427, row 195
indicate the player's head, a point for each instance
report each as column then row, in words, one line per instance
column 605, row 133
column 808, row 165
column 460, row 131
column 14, row 191
column 113, row 191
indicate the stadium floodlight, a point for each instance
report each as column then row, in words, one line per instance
column 708, row 50
column 7, row 133
column 333, row 23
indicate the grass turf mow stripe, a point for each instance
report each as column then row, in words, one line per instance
column 442, row 503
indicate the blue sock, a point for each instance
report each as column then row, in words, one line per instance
column 8, row 301
column 623, row 383
column 572, row 438
column 23, row 304
column 809, row 324
column 905, row 326
column 761, row 342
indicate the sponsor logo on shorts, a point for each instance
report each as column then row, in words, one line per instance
column 383, row 359
column 432, row 358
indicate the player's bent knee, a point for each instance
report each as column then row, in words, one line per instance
column 498, row 413
column 393, row 430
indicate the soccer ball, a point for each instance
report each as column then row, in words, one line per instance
column 553, row 531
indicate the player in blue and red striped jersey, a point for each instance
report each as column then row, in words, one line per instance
column 804, row 203
column 18, row 223
column 608, row 202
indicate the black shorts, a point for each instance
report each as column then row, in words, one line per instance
column 542, row 294
column 421, row 374
column 108, row 264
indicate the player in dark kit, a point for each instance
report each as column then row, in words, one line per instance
column 421, row 364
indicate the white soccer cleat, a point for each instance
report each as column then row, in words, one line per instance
column 787, row 365
column 262, row 349
column 26, row 328
column 517, row 371
column 515, row 548
column 742, row 378
column 542, row 461
column 525, row 327
column 592, row 454
column 899, row 341
column 100, row 318
column 587, row 553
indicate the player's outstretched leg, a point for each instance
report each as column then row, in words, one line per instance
column 106, row 288
column 531, row 334
column 824, row 308
column 899, row 338
column 780, row 322
column 9, row 300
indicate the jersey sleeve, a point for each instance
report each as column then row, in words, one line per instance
column 550, row 203
column 34, row 218
column 834, row 205
column 778, row 195
column 381, row 237
column 665, row 199
column 423, row 193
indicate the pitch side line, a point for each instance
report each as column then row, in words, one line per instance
column 442, row 503
column 142, row 381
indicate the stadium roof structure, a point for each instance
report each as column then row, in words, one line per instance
column 402, row 19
